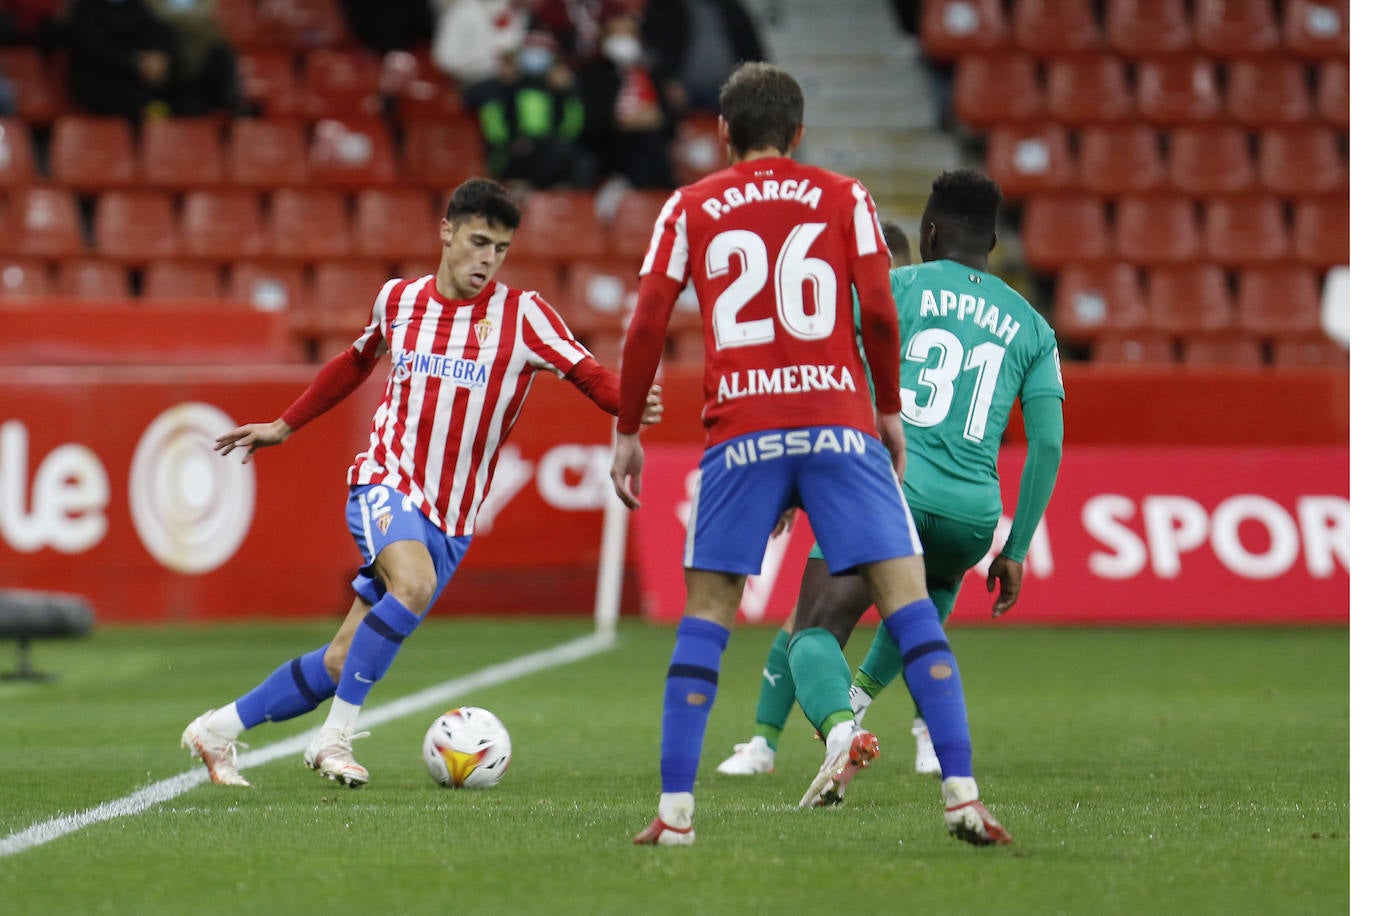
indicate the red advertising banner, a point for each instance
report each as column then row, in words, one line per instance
column 1160, row 535
column 109, row 487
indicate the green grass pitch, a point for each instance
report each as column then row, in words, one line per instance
column 1140, row 771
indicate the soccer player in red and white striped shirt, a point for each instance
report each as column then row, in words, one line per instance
column 464, row 349
column 775, row 248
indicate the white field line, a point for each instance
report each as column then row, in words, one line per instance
column 170, row 788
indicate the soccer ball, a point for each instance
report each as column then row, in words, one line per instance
column 467, row 748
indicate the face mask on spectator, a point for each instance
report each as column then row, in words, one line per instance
column 534, row 61
column 621, row 50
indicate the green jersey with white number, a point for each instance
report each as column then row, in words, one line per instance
column 970, row 346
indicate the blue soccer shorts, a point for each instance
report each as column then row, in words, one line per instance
column 841, row 477
column 379, row 515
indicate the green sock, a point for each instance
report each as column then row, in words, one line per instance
column 881, row 665
column 824, row 691
column 777, row 693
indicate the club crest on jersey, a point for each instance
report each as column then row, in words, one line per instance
column 469, row 373
column 483, row 329
column 383, row 519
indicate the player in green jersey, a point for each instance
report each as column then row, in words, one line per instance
column 971, row 346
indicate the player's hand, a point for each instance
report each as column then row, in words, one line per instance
column 1008, row 572
column 627, row 468
column 785, row 522
column 653, row 407
column 253, row 437
column 893, row 435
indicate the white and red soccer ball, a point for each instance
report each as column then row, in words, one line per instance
column 467, row 748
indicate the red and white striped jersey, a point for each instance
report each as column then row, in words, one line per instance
column 771, row 246
column 460, row 372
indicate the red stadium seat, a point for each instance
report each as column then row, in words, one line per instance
column 952, row 28
column 1138, row 28
column 1235, row 28
column 303, row 24
column 44, row 223
column 1279, row 300
column 999, row 88
column 1092, row 299
column 1028, row 158
column 562, row 225
column 241, row 25
column 1209, row 351
column 222, row 225
column 1317, row 28
column 307, row 224
column 1144, row 348
column 1177, row 90
column 352, row 154
column 343, row 293
column 530, row 273
column 92, row 153
column 1333, row 93
column 1047, row 27
column 182, row 280
column 1062, row 229
column 1245, row 230
column 1120, row 159
column 1156, row 229
column 1088, row 89
column 267, row 154
column 1321, row 231
column 268, row 287
column 23, row 277
column 136, row 226
column 181, row 153
column 82, row 278
column 697, row 150
column 269, row 81
column 394, row 224
column 1264, row 93
column 1189, row 299
column 1300, row 161
column 1210, row 159
column 600, row 294
column 1310, row 353
column 342, row 84
column 633, row 223
column 39, row 85
column 443, row 154
column 418, row 89
column 16, row 154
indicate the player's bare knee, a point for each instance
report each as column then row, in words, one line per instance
column 415, row 591
column 334, row 660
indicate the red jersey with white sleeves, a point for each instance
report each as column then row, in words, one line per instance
column 772, row 247
column 460, row 372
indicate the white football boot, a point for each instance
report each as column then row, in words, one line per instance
column 965, row 816
column 848, row 749
column 331, row 752
column 927, row 764
column 673, row 825
column 219, row 753
column 749, row 759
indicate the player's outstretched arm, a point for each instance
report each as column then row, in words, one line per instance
column 252, row 437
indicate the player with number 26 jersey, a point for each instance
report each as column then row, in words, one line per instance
column 773, row 247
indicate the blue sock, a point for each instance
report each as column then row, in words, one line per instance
column 292, row 690
column 375, row 645
column 932, row 676
column 688, row 693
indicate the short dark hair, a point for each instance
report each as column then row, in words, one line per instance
column 483, row 197
column 966, row 201
column 762, row 105
column 897, row 243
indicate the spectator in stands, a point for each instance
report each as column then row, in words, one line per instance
column 532, row 120
column 205, row 66
column 396, row 25
column 693, row 45
column 574, row 24
column 630, row 121
column 472, row 37
column 121, row 58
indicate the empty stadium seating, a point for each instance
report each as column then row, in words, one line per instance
column 181, row 281
column 1093, row 299
column 268, row 287
column 417, row 89
column 1333, row 92
column 1310, row 353
column 1177, row 90
column 1317, row 28
column 1139, row 28
column 440, row 154
column 1210, row 159
column 267, row 154
column 39, row 84
column 1297, row 161
column 222, row 225
column 1277, row 300
column 1236, row 351
column 1120, row 159
column 1321, row 231
column 307, row 224
column 1047, row 27
column 341, row 84
column 23, row 277
column 269, row 81
column 633, row 223
column 92, row 153
column 561, row 225
column 393, row 224
column 1235, row 28
column 1026, row 158
column 1066, row 228
column 1146, row 348
column 136, row 226
column 998, row 88
column 84, row 278
column 1189, row 299
column 953, row 28
column 1266, row 93
column 43, row 222
column 1088, row 89
column 16, row 154
column 1242, row 230
column 181, row 153
column 352, row 154
column 1159, row 228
